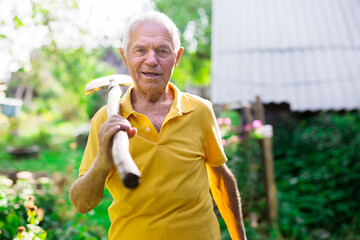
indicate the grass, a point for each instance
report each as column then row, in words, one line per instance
column 52, row 160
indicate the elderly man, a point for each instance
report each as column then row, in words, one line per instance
column 175, row 142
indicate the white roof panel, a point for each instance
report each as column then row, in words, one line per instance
column 306, row 53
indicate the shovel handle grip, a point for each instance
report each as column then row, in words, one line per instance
column 125, row 166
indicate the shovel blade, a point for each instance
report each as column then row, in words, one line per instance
column 103, row 82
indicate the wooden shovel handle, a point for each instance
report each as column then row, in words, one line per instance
column 127, row 169
column 125, row 166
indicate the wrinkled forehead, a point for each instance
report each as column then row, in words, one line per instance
column 150, row 29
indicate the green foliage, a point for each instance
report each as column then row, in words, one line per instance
column 58, row 78
column 60, row 220
column 47, row 196
column 245, row 158
column 317, row 169
column 194, row 22
column 317, row 166
column 17, row 208
column 17, row 22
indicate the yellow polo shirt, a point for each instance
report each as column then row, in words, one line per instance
column 173, row 201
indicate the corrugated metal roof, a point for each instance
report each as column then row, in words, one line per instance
column 306, row 53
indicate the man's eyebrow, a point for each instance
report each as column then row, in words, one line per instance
column 164, row 45
column 138, row 46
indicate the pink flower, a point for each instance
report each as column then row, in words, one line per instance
column 234, row 139
column 224, row 142
column 227, row 121
column 220, row 121
column 247, row 128
column 256, row 124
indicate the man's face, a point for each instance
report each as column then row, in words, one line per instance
column 151, row 57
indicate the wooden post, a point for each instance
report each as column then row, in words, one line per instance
column 269, row 176
column 247, row 113
column 267, row 163
column 259, row 110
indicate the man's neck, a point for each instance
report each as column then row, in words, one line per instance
column 141, row 100
column 156, row 110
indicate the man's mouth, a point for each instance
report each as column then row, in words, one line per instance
column 150, row 74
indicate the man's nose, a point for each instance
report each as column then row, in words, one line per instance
column 151, row 58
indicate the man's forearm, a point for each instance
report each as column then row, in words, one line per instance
column 88, row 190
column 227, row 197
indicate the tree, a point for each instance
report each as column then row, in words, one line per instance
column 45, row 61
column 58, row 77
column 27, row 25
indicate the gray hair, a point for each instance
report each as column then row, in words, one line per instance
column 156, row 17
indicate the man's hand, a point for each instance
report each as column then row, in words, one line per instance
column 106, row 132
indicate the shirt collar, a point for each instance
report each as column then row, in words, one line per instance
column 181, row 103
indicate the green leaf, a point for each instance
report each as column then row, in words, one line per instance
column 17, row 22
column 42, row 235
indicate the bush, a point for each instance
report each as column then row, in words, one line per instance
column 57, row 219
column 317, row 173
column 317, row 169
column 18, row 209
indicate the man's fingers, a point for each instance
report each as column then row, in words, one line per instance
column 111, row 126
column 131, row 131
column 123, row 122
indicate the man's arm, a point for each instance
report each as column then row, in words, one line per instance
column 88, row 190
column 226, row 195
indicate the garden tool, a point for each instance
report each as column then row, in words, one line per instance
column 125, row 166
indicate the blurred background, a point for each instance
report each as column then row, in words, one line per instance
column 283, row 77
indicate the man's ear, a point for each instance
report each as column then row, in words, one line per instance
column 123, row 56
column 178, row 56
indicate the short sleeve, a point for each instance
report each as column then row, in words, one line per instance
column 93, row 142
column 212, row 144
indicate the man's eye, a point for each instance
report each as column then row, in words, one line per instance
column 163, row 51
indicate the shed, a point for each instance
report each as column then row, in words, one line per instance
column 10, row 107
column 305, row 53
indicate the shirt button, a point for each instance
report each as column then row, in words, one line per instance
column 148, row 129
